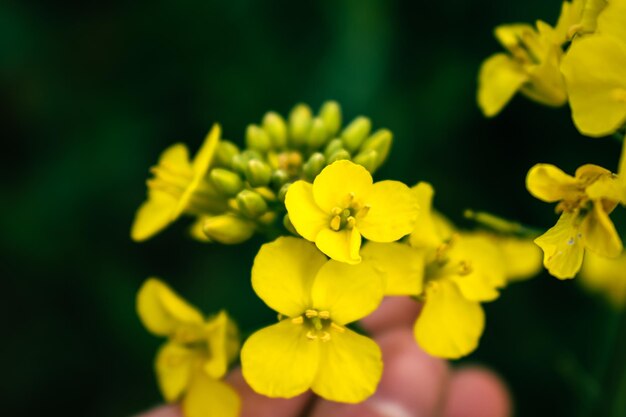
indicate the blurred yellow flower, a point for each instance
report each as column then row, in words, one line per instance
column 196, row 356
column 343, row 203
column 311, row 347
column 585, row 202
column 621, row 172
column 179, row 186
column 606, row 276
column 531, row 65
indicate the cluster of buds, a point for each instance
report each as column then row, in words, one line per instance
column 241, row 192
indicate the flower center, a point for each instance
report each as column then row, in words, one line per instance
column 346, row 217
column 318, row 323
column 444, row 265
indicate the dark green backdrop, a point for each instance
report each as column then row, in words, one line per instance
column 91, row 92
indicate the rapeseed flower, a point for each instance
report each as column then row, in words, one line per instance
column 585, row 202
column 344, row 204
column 179, row 186
column 594, row 73
column 196, row 356
column 531, row 65
column 311, row 347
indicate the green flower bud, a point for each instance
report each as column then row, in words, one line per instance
column 380, row 141
column 368, row 159
column 332, row 147
column 289, row 226
column 339, row 155
column 257, row 139
column 266, row 193
column 282, row 193
column 251, row 204
column 228, row 229
column 313, row 166
column 330, row 113
column 240, row 162
column 279, row 178
column 318, row 134
column 258, row 173
column 355, row 133
column 299, row 124
column 276, row 128
column 226, row 181
column 225, row 153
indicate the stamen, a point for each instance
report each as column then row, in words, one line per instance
column 325, row 337
column 324, row 315
column 297, row 320
column 465, row 268
column 351, row 222
column 335, row 223
column 311, row 335
column 311, row 313
column 364, row 210
column 337, row 327
column 336, row 211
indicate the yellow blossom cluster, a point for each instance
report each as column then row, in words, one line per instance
column 347, row 242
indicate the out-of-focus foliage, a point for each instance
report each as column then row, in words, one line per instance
column 91, row 93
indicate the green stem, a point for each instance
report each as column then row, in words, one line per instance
column 613, row 399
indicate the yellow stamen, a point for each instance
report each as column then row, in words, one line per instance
column 311, row 313
column 351, row 222
column 335, row 223
column 324, row 315
column 311, row 335
column 337, row 327
column 325, row 337
column 297, row 320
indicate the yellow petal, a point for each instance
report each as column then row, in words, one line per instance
column 611, row 20
column 207, row 397
column 223, row 342
column 484, row 269
column 304, row 213
column 162, row 311
column 606, row 276
column 401, row 266
column 392, row 213
column 283, row 272
column 201, row 165
column 176, row 156
column 431, row 229
column 594, row 72
column 348, row 292
column 562, row 247
column 342, row 246
column 173, row 367
column 499, row 79
column 606, row 187
column 546, row 85
column 350, row 368
column 522, row 258
column 548, row 183
column 622, row 171
column 449, row 326
column 337, row 181
column 599, row 234
column 280, row 361
column 153, row 216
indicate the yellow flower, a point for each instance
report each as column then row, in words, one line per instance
column 531, row 65
column 594, row 72
column 196, row 356
column 621, row 172
column 311, row 347
column 178, row 186
column 606, row 276
column 522, row 258
column 585, row 202
column 343, row 203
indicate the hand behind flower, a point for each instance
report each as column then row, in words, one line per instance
column 413, row 384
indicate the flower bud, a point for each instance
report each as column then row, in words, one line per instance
column 330, row 113
column 258, row 173
column 228, row 229
column 225, row 153
column 257, row 139
column 380, row 141
column 355, row 133
column 282, row 193
column 279, row 177
column 339, row 155
column 227, row 182
column 276, row 128
column 314, row 166
column 240, row 162
column 289, row 226
column 318, row 134
column 332, row 147
column 367, row 159
column 251, row 204
column 299, row 124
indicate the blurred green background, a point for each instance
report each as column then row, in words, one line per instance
column 92, row 92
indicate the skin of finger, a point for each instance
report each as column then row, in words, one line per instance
column 393, row 312
column 256, row 405
column 163, row 411
column 477, row 392
column 412, row 383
